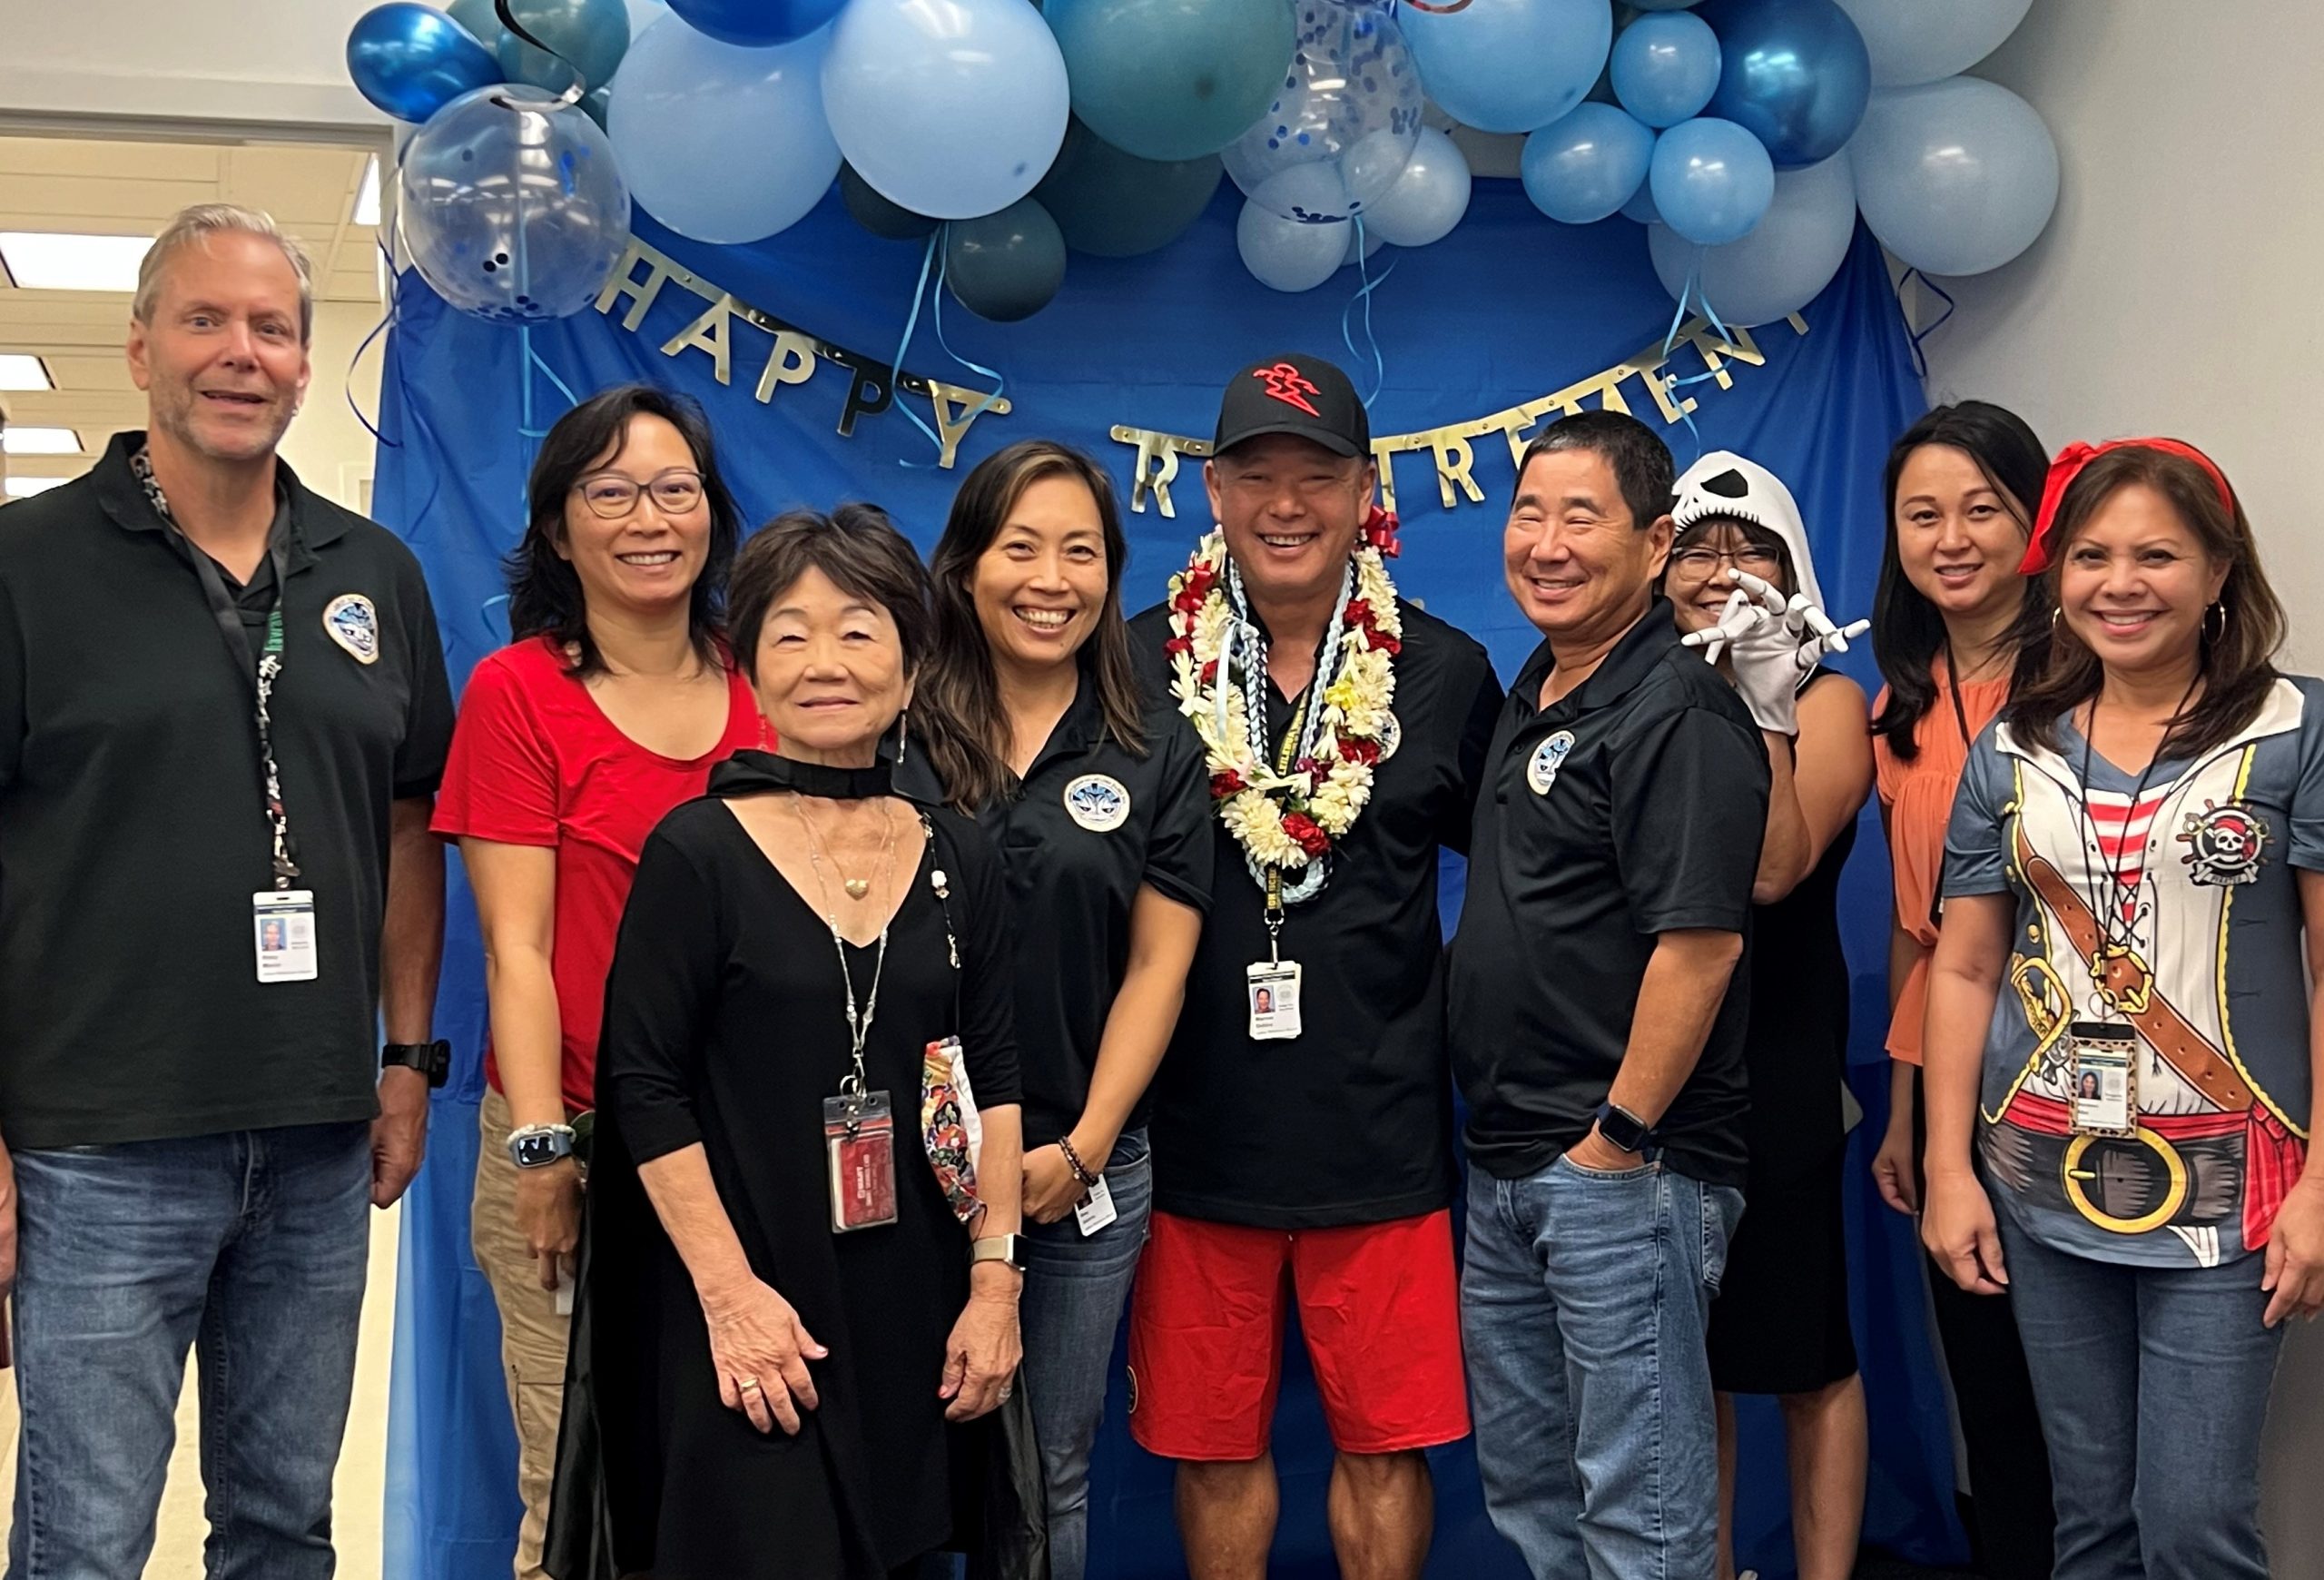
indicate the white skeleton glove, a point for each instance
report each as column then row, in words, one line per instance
column 1775, row 645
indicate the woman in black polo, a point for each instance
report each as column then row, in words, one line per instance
column 1031, row 722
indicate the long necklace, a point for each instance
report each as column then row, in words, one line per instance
column 856, row 887
column 859, row 1023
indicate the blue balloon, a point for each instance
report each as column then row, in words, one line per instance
column 1712, row 180
column 479, row 18
column 413, row 60
column 723, row 143
column 1660, row 5
column 1793, row 73
column 1428, row 200
column 1641, row 206
column 1954, row 177
column 1350, row 107
column 1006, row 266
column 512, row 208
column 1510, row 65
column 1586, row 166
column 588, row 37
column 1113, row 204
column 1914, row 42
column 755, row 24
column 1666, row 68
column 1783, row 265
column 1290, row 255
column 952, row 110
column 1172, row 79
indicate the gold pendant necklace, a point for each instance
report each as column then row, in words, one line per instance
column 857, row 888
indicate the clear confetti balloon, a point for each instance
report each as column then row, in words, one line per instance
column 1350, row 106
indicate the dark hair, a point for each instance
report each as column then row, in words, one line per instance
column 1640, row 460
column 1907, row 629
column 858, row 548
column 2237, row 664
column 545, row 597
column 1756, row 536
column 966, row 730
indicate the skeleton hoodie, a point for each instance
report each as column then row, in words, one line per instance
column 1724, row 484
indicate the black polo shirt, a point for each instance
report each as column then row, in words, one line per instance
column 132, row 830
column 1093, row 823
column 1635, row 806
column 1350, row 1122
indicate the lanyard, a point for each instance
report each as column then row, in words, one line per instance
column 1298, row 742
column 2115, row 903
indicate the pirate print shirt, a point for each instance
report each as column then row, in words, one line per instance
column 2172, row 910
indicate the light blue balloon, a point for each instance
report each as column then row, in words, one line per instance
column 1666, row 68
column 952, row 110
column 1510, row 65
column 1428, row 200
column 1289, row 254
column 1586, row 166
column 513, row 209
column 412, row 60
column 1954, row 177
column 1784, row 263
column 1914, row 42
column 1712, row 180
column 1661, row 4
column 1795, row 73
column 1350, row 107
column 720, row 143
column 590, row 35
column 1168, row 80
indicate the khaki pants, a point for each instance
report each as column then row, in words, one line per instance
column 532, row 1333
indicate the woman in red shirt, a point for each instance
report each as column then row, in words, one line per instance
column 609, row 710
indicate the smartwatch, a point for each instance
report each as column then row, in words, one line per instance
column 538, row 1146
column 433, row 1060
column 1624, row 1129
column 999, row 1248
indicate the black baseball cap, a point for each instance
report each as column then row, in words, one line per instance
column 1297, row 394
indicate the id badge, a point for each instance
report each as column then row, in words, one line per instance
column 859, row 1139
column 282, row 929
column 1096, row 1209
column 2101, row 1068
column 1273, row 991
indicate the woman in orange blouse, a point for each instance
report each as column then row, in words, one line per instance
column 1953, row 637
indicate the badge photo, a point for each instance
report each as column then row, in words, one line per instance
column 354, row 625
column 1097, row 802
column 1548, row 758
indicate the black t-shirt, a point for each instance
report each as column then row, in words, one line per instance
column 133, row 833
column 1092, row 824
column 1350, row 1122
column 1635, row 806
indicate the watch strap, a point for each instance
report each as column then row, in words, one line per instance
column 1624, row 1129
column 997, row 1248
column 433, row 1060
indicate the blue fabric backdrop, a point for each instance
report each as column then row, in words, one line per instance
column 1508, row 309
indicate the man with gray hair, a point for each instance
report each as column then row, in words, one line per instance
column 222, row 716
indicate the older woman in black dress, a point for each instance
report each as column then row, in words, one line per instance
column 791, row 1306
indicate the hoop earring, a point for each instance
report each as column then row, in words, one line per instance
column 2053, row 617
column 2220, row 609
column 902, row 717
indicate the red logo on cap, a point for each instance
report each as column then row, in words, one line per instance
column 1289, row 385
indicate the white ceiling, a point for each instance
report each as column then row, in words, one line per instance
column 133, row 188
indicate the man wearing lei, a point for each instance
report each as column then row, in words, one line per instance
column 1303, row 1119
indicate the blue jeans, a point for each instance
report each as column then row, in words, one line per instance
column 1584, row 1298
column 2152, row 1387
column 1075, row 1289
column 250, row 1247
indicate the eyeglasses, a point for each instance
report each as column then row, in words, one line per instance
column 1699, row 564
column 612, row 496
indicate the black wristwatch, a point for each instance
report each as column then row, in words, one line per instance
column 433, row 1060
column 1624, row 1129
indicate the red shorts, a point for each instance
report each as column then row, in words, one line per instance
column 1378, row 1302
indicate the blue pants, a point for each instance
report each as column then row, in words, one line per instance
column 249, row 1247
column 1584, row 1297
column 2152, row 1386
column 1075, row 1289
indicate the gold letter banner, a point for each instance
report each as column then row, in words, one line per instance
column 1156, row 465
column 794, row 355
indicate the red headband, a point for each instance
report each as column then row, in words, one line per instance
column 2068, row 467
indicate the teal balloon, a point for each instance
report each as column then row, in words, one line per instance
column 1712, row 180
column 1585, row 166
column 590, row 35
column 1173, row 79
column 412, row 60
column 1112, row 204
column 888, row 222
column 598, row 104
column 1795, row 73
column 480, row 19
column 1666, row 68
column 1006, row 266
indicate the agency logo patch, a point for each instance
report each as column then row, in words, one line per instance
column 354, row 625
column 1548, row 758
column 1097, row 802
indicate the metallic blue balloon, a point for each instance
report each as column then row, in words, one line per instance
column 1794, row 73
column 412, row 60
column 1586, row 165
column 512, row 207
column 1666, row 68
column 590, row 36
column 755, row 24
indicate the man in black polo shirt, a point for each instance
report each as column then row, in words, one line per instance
column 222, row 716
column 1302, row 1120
column 1593, row 1030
